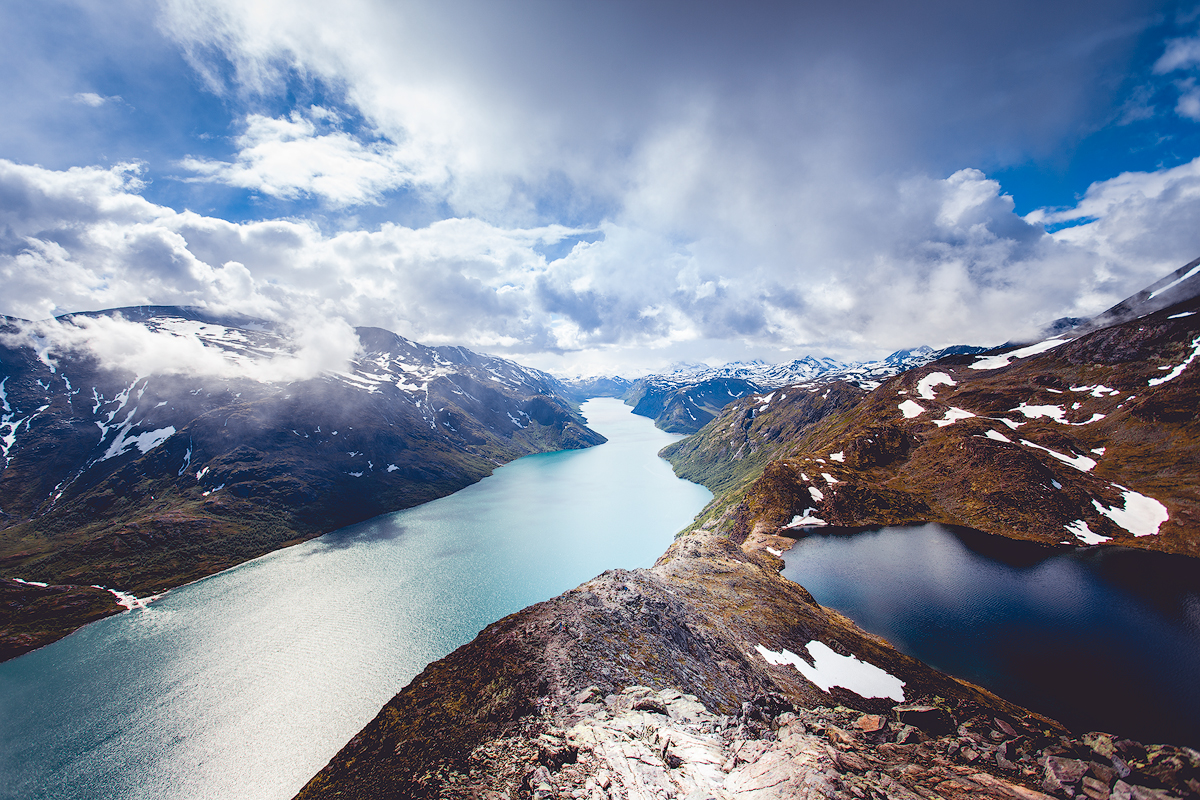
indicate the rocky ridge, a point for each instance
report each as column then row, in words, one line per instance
column 682, row 681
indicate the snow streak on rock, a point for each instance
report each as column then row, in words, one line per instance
column 830, row 669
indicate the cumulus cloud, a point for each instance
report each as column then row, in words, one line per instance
column 290, row 157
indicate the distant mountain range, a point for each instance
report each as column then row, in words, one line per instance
column 690, row 396
column 142, row 482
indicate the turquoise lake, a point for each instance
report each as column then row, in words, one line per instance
column 244, row 684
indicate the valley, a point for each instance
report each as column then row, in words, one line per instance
column 650, row 683
column 1083, row 439
column 142, row 483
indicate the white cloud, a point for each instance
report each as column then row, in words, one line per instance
column 318, row 345
column 289, row 158
column 940, row 261
column 1137, row 218
column 1189, row 100
column 1179, row 54
column 94, row 100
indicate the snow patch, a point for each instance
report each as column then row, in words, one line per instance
column 392, row 468
column 1141, row 515
column 774, row 552
column 1181, row 316
column 952, row 416
column 31, row 583
column 926, row 384
column 1081, row 463
column 816, row 494
column 805, row 520
column 1083, row 534
column 129, row 601
column 1175, row 282
column 1175, row 373
column 1056, row 413
column 1004, row 359
column 838, row 456
column 829, row 478
column 145, row 442
column 831, row 669
column 997, row 436
column 910, row 409
column 1099, row 390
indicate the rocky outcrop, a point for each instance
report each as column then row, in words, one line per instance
column 711, row 619
column 33, row 615
column 643, row 744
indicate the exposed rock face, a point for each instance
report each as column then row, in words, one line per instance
column 688, row 407
column 144, row 482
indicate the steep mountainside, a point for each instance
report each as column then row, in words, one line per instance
column 1077, row 441
column 144, row 482
column 685, row 400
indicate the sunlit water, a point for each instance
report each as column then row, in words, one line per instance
column 1099, row 638
column 244, row 684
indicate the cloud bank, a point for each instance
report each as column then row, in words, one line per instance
column 934, row 260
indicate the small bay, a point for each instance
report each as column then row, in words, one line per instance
column 244, row 684
column 1100, row 638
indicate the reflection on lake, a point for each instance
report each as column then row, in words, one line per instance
column 1102, row 638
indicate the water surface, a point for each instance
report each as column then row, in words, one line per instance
column 244, row 684
column 1101, row 638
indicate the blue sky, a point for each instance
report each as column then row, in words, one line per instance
column 602, row 186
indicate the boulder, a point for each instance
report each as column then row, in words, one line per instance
column 931, row 719
column 1060, row 775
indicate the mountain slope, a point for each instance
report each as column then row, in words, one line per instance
column 1077, row 441
column 143, row 482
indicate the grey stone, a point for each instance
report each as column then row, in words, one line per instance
column 1061, row 774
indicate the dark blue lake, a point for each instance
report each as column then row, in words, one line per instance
column 1101, row 638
